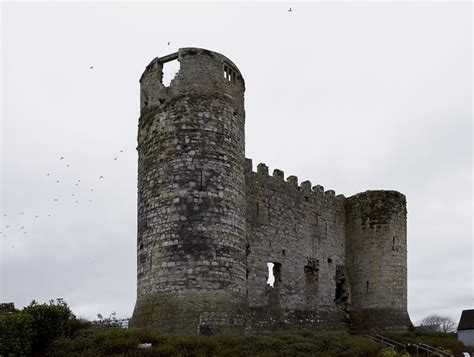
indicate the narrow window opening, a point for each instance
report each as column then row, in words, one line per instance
column 200, row 180
column 229, row 74
column 258, row 210
column 306, row 199
column 274, row 274
column 329, row 260
column 367, row 286
column 311, row 272
column 146, row 104
column 170, row 70
column 393, row 242
column 141, row 246
column 271, row 277
column 283, row 252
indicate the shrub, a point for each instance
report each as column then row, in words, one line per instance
column 16, row 334
column 49, row 321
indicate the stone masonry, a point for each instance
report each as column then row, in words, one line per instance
column 208, row 225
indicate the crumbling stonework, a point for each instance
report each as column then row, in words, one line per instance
column 208, row 225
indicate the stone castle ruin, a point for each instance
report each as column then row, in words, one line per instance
column 208, row 226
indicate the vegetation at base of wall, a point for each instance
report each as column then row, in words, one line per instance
column 114, row 341
column 447, row 342
column 53, row 330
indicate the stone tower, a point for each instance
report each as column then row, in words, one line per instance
column 191, row 196
column 376, row 258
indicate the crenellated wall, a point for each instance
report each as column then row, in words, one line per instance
column 300, row 229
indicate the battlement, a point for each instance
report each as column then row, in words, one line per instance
column 305, row 188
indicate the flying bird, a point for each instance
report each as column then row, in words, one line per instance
column 101, row 177
column 57, row 181
column 77, row 201
column 56, row 199
column 77, row 184
column 36, row 216
column 72, row 194
column 7, row 226
column 47, row 174
column 49, row 215
column 169, row 43
column 91, row 67
column 115, row 158
column 92, row 189
column 22, row 213
column 67, row 165
column 121, row 150
column 22, row 227
column 62, row 158
column 290, row 10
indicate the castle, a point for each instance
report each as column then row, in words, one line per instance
column 208, row 225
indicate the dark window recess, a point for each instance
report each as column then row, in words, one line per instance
column 329, row 260
column 306, row 199
column 283, row 252
column 311, row 272
column 341, row 296
column 201, row 180
column 258, row 209
column 367, row 286
column 141, row 246
column 277, row 274
column 394, row 240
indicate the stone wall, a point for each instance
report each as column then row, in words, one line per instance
column 300, row 229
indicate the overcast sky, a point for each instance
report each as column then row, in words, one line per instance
column 352, row 96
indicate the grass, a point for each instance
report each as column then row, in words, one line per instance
column 117, row 342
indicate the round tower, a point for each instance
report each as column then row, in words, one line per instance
column 191, row 197
column 376, row 250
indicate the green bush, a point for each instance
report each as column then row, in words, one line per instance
column 49, row 322
column 16, row 334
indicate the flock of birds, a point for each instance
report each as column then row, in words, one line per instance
column 7, row 229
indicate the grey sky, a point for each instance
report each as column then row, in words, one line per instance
column 352, row 96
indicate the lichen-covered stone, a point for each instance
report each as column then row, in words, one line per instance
column 208, row 225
